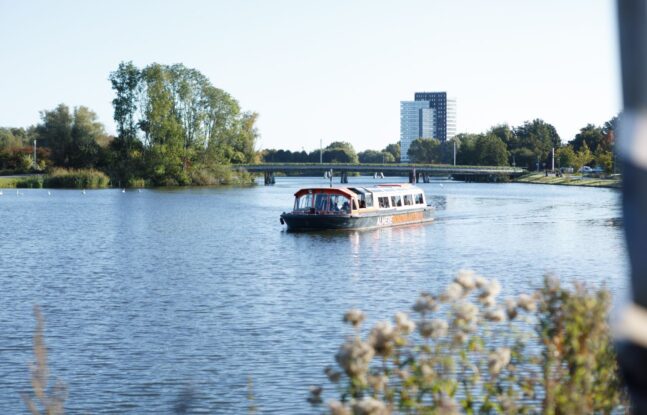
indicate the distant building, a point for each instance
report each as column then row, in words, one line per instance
column 430, row 115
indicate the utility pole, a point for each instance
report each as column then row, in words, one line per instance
column 553, row 169
column 35, row 164
column 454, row 141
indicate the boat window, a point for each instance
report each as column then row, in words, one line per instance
column 354, row 204
column 339, row 203
column 396, row 201
column 321, row 201
column 408, row 200
column 368, row 200
column 419, row 199
column 303, row 202
column 384, row 202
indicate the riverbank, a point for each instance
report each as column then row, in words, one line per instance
column 570, row 180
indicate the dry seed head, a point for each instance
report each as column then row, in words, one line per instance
column 354, row 357
column 527, row 303
column 369, row 406
column 433, row 328
column 465, row 278
column 338, row 408
column 425, row 303
column 404, row 323
column 481, row 282
column 382, row 338
column 511, row 308
column 496, row 315
column 453, row 292
column 498, row 359
column 354, row 317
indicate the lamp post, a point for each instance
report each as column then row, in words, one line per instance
column 35, row 166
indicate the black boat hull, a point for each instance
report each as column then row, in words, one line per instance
column 310, row 222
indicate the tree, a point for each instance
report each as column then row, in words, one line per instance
column 534, row 142
column 604, row 159
column 592, row 136
column 582, row 157
column 424, row 150
column 340, row 152
column 566, row 157
column 491, row 151
column 55, row 132
column 394, row 149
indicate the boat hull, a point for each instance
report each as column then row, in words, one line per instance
column 310, row 222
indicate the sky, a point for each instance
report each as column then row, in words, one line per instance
column 324, row 71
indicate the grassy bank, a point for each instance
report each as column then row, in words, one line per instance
column 570, row 180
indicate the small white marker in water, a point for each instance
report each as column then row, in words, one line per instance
column 123, row 190
column 49, row 193
column 441, row 185
column 83, row 191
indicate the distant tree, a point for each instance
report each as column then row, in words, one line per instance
column 370, row 156
column 491, row 151
column 534, row 141
column 592, row 136
column 604, row 159
column 340, row 152
column 565, row 156
column 55, row 132
column 582, row 157
column 506, row 134
column 466, row 144
column 424, row 150
column 394, row 149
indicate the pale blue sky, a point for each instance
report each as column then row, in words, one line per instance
column 331, row 70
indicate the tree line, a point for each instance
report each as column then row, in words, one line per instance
column 528, row 145
column 173, row 128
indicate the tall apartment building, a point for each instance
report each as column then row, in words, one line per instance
column 430, row 115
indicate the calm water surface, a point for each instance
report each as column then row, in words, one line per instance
column 150, row 295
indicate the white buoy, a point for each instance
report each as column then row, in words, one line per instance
column 139, row 190
column 83, row 191
column 49, row 193
column 441, row 185
column 123, row 190
column 0, row 192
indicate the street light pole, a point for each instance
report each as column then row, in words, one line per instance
column 35, row 163
column 454, row 141
column 320, row 151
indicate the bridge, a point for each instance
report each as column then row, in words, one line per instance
column 416, row 172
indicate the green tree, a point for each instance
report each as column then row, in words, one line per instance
column 55, row 132
column 394, row 149
column 604, row 159
column 566, row 157
column 340, row 152
column 370, row 156
column 491, row 151
column 534, row 142
column 424, row 150
column 592, row 136
column 582, row 157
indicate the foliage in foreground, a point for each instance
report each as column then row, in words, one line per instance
column 548, row 352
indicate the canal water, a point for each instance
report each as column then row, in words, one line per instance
column 159, row 296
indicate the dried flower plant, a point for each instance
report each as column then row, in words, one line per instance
column 46, row 400
column 547, row 351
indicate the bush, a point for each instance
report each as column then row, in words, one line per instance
column 136, row 182
column 545, row 352
column 34, row 182
column 76, row 179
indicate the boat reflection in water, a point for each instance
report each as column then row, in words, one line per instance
column 357, row 207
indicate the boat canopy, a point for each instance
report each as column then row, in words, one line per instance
column 328, row 190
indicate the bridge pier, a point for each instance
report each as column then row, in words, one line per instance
column 425, row 177
column 413, row 176
column 269, row 178
column 344, row 177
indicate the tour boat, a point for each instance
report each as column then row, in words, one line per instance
column 319, row 208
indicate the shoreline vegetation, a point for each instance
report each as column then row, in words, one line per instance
column 611, row 182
